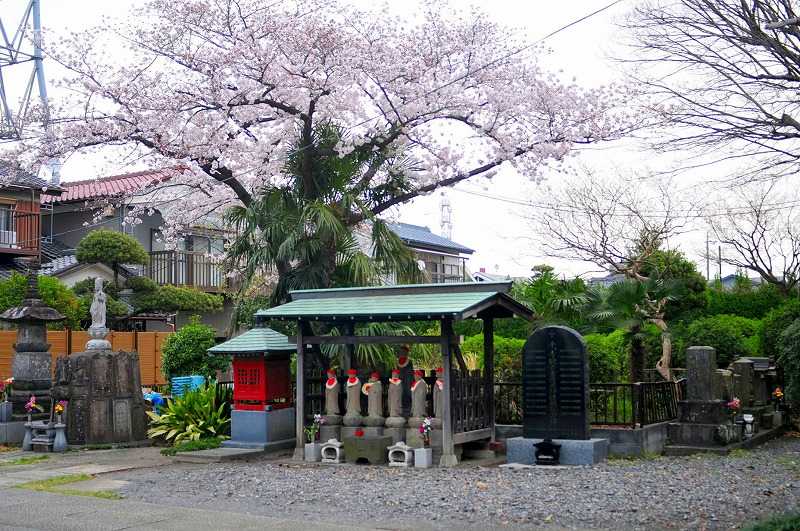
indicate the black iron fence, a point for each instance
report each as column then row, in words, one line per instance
column 610, row 404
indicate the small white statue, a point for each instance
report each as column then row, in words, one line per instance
column 98, row 307
column 98, row 330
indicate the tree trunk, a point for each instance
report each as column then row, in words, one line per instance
column 636, row 356
column 663, row 366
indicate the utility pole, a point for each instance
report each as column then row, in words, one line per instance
column 708, row 259
column 719, row 260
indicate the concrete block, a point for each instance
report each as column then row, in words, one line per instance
column 259, row 429
column 423, row 458
column 12, row 432
column 372, row 449
column 573, row 452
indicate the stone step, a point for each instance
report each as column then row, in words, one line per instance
column 217, row 455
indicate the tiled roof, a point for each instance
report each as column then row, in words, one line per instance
column 419, row 236
column 15, row 265
column 409, row 302
column 59, row 265
column 54, row 249
column 112, row 186
column 13, row 175
column 255, row 341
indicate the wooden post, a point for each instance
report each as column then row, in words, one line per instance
column 488, row 370
column 448, row 448
column 350, row 349
column 300, row 398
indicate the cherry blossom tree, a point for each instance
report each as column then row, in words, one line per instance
column 233, row 89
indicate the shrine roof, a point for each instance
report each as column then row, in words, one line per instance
column 255, row 341
column 401, row 303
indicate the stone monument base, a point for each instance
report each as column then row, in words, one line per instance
column 685, row 434
column 262, row 430
column 12, row 432
column 573, row 451
column 328, row 432
column 371, row 449
column 397, row 434
column 369, row 431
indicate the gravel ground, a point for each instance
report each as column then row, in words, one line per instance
column 699, row 492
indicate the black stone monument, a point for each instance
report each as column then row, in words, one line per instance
column 555, row 385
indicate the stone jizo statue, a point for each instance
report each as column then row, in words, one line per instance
column 374, row 401
column 352, row 416
column 419, row 400
column 333, row 416
column 395, row 397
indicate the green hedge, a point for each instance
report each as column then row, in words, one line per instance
column 732, row 336
column 754, row 304
column 53, row 293
column 789, row 360
column 608, row 356
column 775, row 322
column 507, row 355
column 185, row 352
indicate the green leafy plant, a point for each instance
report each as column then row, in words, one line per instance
column 53, row 292
column 186, row 352
column 199, row 414
column 785, row 522
column 608, row 356
column 111, row 248
column 507, row 356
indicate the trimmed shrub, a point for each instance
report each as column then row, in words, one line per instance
column 789, row 360
column 728, row 334
column 176, row 298
column 775, row 322
column 753, row 304
column 608, row 356
column 186, row 352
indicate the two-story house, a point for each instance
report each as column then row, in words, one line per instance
column 20, row 219
column 443, row 260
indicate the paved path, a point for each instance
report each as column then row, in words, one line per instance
column 23, row 509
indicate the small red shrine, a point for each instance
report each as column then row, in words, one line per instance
column 263, row 409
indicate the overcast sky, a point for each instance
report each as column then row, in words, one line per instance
column 503, row 241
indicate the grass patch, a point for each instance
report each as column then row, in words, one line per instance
column 192, row 446
column 785, row 522
column 60, row 485
column 632, row 459
column 25, row 460
column 739, row 452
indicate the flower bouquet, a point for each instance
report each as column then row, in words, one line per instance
column 425, row 431
column 313, row 449
column 59, row 409
column 777, row 397
column 734, row 406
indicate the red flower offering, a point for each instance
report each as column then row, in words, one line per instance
column 359, row 432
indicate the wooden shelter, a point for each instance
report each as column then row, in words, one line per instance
column 468, row 398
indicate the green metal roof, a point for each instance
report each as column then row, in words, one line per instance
column 399, row 303
column 255, row 341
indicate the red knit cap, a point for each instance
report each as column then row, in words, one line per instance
column 419, row 372
column 332, row 372
column 375, row 375
column 439, row 370
column 352, row 372
column 395, row 371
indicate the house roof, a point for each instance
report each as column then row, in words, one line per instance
column 261, row 341
column 111, row 186
column 422, row 237
column 400, row 303
column 12, row 176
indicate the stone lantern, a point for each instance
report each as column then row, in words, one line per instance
column 32, row 366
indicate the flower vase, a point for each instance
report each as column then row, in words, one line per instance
column 6, row 410
column 313, row 452
column 423, row 457
column 60, row 440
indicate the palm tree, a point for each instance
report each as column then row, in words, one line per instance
column 304, row 232
column 631, row 305
column 553, row 300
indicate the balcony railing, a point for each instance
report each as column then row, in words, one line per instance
column 19, row 231
column 186, row 268
column 442, row 278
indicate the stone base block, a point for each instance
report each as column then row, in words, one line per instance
column 12, row 432
column 374, row 421
column 261, row 429
column 396, row 422
column 573, row 452
column 684, row 434
column 397, row 434
column 348, row 431
column 272, row 446
column 352, row 421
column 372, row 449
column 327, row 432
column 703, row 412
column 423, row 458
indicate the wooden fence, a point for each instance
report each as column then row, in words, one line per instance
column 65, row 342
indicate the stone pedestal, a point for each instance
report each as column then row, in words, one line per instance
column 105, row 397
column 573, row 451
column 327, row 432
column 423, row 458
column 12, row 432
column 262, row 430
